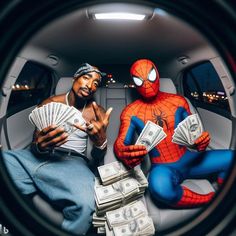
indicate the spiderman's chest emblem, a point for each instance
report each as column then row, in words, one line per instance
column 160, row 118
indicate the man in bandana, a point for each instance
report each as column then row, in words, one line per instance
column 56, row 164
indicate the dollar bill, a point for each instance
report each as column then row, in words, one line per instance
column 109, row 197
column 57, row 114
column 142, row 225
column 115, row 171
column 188, row 131
column 151, row 135
column 112, row 172
column 126, row 213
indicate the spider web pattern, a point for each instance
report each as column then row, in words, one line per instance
column 141, row 69
column 165, row 106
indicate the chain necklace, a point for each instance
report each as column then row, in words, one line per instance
column 67, row 102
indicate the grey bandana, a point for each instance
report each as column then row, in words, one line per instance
column 86, row 68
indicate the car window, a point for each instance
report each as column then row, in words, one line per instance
column 203, row 87
column 31, row 87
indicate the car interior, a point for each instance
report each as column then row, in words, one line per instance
column 187, row 62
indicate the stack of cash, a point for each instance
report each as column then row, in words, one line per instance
column 151, row 135
column 131, row 219
column 116, row 192
column 188, row 131
column 112, row 172
column 58, row 114
column 119, row 193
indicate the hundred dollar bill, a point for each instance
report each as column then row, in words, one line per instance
column 119, row 190
column 112, row 172
column 194, row 127
column 142, row 225
column 101, row 210
column 125, row 214
column 116, row 171
column 188, row 131
column 151, row 135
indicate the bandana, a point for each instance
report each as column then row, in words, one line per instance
column 86, row 68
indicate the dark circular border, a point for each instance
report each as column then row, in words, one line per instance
column 20, row 19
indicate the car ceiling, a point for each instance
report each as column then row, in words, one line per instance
column 77, row 38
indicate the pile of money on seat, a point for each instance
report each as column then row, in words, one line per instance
column 131, row 219
column 117, row 208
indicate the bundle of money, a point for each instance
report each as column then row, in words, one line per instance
column 131, row 219
column 188, row 131
column 151, row 135
column 99, row 221
column 58, row 114
column 116, row 194
column 119, row 193
column 126, row 214
column 141, row 226
column 115, row 171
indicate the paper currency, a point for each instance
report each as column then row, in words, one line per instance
column 112, row 196
column 119, row 210
column 131, row 219
column 58, row 114
column 112, row 172
column 151, row 135
column 125, row 214
column 142, row 225
column 188, row 131
column 115, row 171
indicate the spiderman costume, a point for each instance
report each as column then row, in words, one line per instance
column 171, row 163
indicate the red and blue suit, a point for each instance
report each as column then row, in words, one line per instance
column 171, row 163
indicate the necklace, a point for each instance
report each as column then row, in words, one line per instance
column 67, row 102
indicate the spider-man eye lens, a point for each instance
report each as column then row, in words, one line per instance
column 152, row 75
column 137, row 81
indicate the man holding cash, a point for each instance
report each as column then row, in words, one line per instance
column 167, row 129
column 56, row 164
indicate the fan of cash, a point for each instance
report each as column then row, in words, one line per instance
column 118, row 212
column 188, row 131
column 131, row 219
column 151, row 135
column 58, row 114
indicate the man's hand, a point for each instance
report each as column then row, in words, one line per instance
column 202, row 142
column 96, row 128
column 50, row 137
column 131, row 155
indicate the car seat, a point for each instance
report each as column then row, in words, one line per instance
column 118, row 96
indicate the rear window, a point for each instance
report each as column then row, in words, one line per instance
column 203, row 87
column 31, row 87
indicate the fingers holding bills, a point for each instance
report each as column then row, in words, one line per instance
column 151, row 135
column 188, row 131
column 51, row 136
column 57, row 114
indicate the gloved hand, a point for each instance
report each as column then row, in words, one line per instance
column 131, row 155
column 202, row 142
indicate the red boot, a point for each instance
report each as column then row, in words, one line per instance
column 193, row 199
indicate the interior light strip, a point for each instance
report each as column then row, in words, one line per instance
column 119, row 16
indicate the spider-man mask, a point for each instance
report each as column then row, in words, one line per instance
column 146, row 78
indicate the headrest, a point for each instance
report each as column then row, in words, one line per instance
column 65, row 83
column 167, row 85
